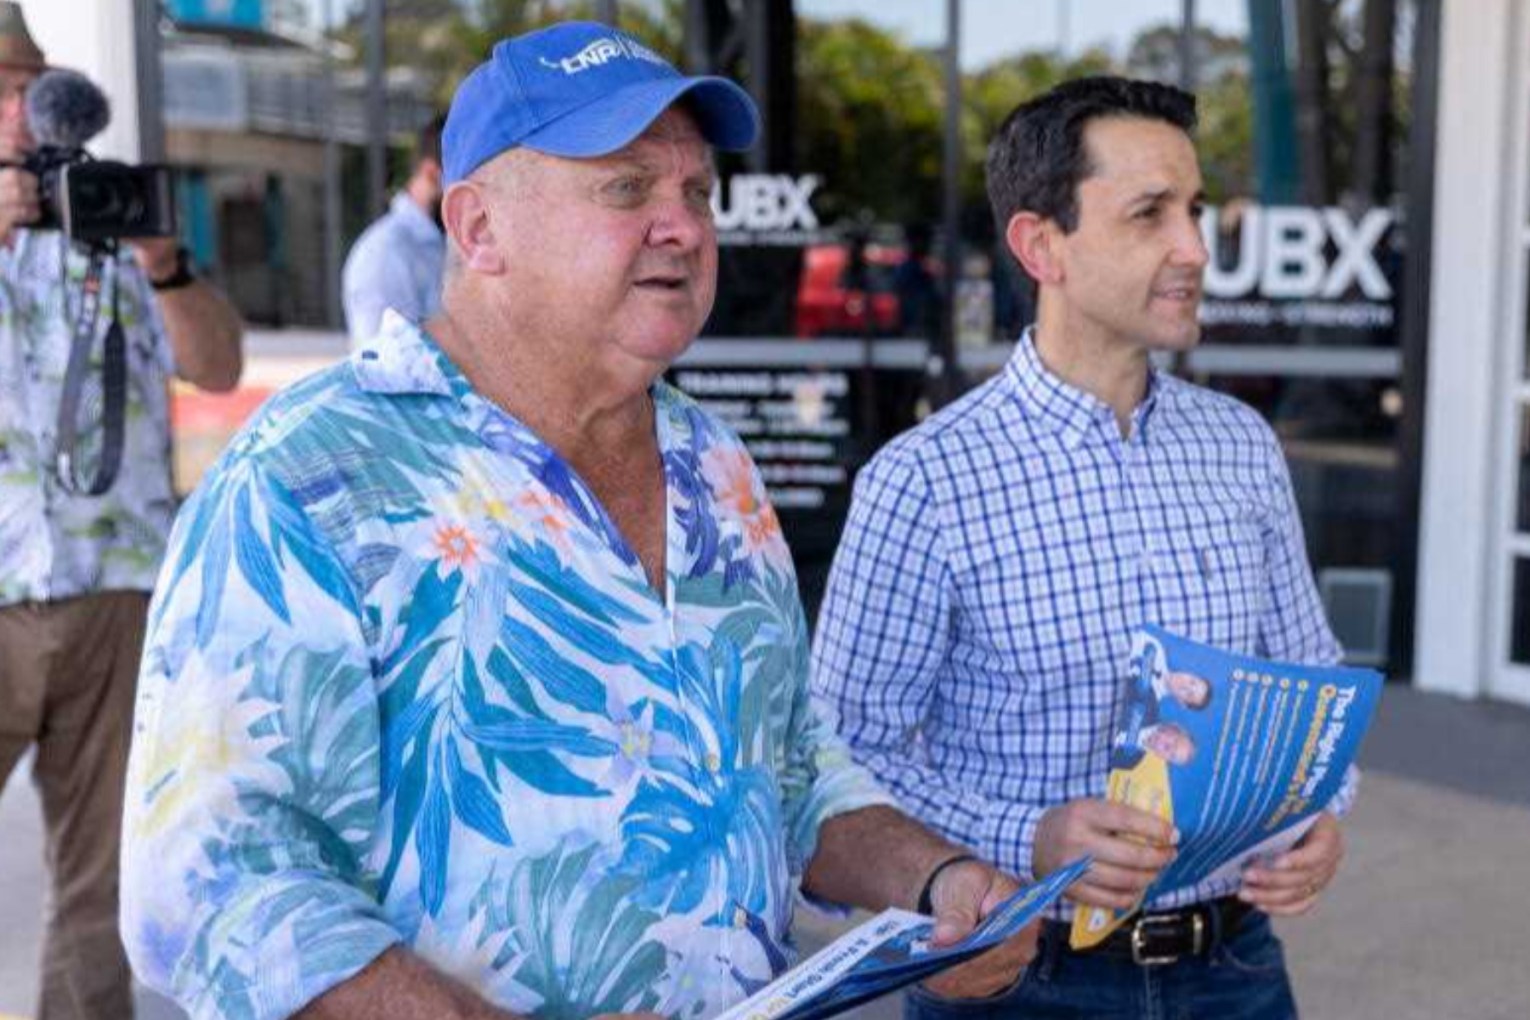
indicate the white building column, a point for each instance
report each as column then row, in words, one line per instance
column 98, row 39
column 1474, row 194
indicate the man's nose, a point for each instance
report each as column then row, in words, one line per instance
column 1190, row 246
column 681, row 221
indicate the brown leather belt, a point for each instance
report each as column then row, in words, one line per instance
column 1167, row 936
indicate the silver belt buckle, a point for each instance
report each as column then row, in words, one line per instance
column 1140, row 955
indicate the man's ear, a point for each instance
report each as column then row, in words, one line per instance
column 465, row 215
column 1036, row 244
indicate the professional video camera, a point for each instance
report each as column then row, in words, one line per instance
column 95, row 203
column 91, row 200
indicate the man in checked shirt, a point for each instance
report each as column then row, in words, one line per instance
column 975, row 633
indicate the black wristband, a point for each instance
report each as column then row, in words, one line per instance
column 182, row 277
column 925, row 906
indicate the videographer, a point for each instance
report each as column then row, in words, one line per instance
column 76, row 568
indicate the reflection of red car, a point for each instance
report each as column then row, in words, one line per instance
column 826, row 305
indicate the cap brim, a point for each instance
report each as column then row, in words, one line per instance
column 723, row 111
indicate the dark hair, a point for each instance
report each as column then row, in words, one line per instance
column 1037, row 160
column 427, row 144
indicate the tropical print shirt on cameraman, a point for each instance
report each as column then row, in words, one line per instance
column 55, row 544
column 405, row 682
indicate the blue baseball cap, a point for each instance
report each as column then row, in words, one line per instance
column 580, row 89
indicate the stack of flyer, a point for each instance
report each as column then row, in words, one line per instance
column 890, row 951
column 1239, row 754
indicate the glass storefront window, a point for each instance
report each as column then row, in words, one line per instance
column 1011, row 52
column 1522, row 471
column 1519, row 613
column 834, row 228
column 815, row 222
column 1304, row 140
column 1524, row 369
column 826, row 234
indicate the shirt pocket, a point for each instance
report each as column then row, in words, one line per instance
column 1213, row 590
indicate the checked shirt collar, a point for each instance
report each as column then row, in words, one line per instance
column 1066, row 410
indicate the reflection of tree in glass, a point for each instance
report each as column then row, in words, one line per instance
column 871, row 106
column 445, row 39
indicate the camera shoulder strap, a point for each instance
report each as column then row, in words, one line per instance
column 113, row 386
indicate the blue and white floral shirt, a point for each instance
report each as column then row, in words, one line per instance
column 55, row 544
column 405, row 682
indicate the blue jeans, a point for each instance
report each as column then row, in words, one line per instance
column 1244, row 978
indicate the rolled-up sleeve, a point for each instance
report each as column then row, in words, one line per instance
column 254, row 782
column 821, row 778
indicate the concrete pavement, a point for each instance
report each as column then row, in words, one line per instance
column 1429, row 920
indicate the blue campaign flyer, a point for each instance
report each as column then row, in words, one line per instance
column 890, row 951
column 1239, row 753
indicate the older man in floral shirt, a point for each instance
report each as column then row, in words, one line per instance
column 476, row 684
column 76, row 569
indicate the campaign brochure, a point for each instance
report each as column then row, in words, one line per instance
column 1239, row 753
column 889, row 951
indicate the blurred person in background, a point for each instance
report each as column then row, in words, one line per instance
column 396, row 262
column 76, row 569
column 914, row 283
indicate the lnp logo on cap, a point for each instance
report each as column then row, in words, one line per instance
column 603, row 51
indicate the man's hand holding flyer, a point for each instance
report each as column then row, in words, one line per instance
column 890, row 951
column 1239, row 754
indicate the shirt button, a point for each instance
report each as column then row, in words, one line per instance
column 714, row 763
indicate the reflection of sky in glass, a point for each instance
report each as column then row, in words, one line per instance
column 301, row 18
column 996, row 28
column 304, row 20
column 991, row 29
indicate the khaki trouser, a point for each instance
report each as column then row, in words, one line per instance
column 67, row 674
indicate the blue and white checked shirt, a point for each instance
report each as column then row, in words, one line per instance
column 976, row 630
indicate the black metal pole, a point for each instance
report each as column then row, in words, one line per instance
column 151, row 95
column 1188, row 71
column 1372, row 179
column 332, row 226
column 942, row 365
column 1415, row 299
column 377, row 112
column 607, row 12
column 1179, row 360
column 1314, row 31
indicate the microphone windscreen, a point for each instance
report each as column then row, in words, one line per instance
column 66, row 109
